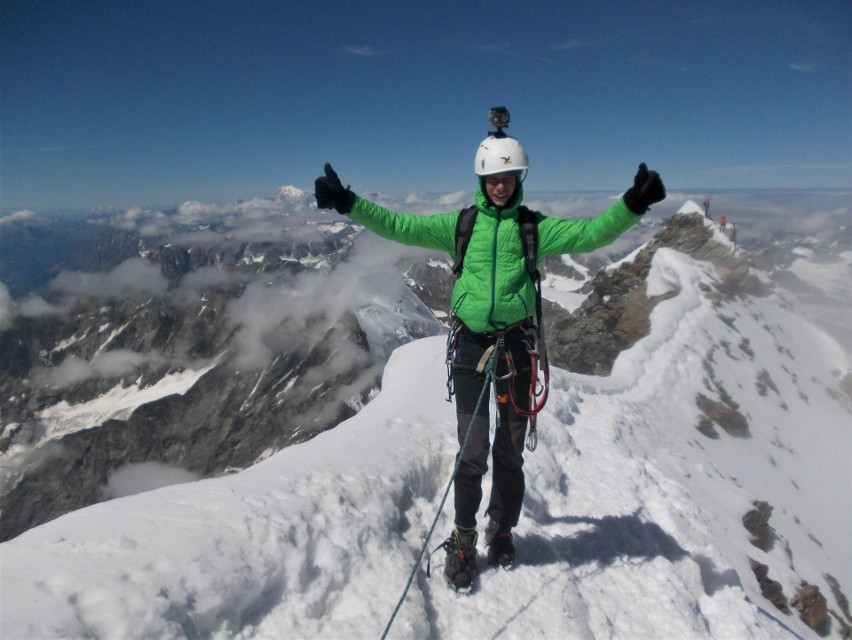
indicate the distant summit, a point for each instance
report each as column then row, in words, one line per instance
column 691, row 207
column 295, row 195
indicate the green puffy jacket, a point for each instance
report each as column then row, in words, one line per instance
column 494, row 290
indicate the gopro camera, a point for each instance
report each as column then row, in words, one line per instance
column 499, row 119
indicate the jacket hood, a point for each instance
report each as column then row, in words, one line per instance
column 483, row 204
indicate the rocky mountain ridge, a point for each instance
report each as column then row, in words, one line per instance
column 230, row 416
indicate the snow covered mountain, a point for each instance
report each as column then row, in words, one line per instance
column 689, row 481
column 204, row 339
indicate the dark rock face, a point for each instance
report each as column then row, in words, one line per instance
column 771, row 589
column 812, row 607
column 809, row 602
column 756, row 523
column 724, row 413
column 225, row 421
column 843, row 617
column 616, row 314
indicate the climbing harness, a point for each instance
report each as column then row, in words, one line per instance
column 539, row 372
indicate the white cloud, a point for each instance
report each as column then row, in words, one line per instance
column 114, row 364
column 145, row 476
column 35, row 306
column 366, row 51
column 268, row 318
column 18, row 215
column 146, row 222
column 109, row 364
column 132, row 277
column 71, row 371
column 420, row 203
column 804, row 68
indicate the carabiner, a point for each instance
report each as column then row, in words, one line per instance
column 532, row 440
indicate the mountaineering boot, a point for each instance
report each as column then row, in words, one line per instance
column 501, row 548
column 460, row 569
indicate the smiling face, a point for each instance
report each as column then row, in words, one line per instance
column 500, row 187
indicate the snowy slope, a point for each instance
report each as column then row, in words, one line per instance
column 632, row 524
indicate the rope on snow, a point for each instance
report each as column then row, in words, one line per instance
column 490, row 369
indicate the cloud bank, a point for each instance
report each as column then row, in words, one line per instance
column 110, row 364
column 132, row 278
column 17, row 216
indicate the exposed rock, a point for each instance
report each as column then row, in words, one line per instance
column 756, row 523
column 839, row 596
column 723, row 414
column 844, row 618
column 617, row 312
column 614, row 316
column 771, row 589
column 705, row 427
column 764, row 383
column 812, row 607
column 226, row 420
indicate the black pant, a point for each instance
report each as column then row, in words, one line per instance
column 507, row 491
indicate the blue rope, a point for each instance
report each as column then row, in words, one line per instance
column 490, row 367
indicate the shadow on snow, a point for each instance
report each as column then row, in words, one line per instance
column 610, row 538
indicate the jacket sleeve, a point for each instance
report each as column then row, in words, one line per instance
column 558, row 235
column 437, row 231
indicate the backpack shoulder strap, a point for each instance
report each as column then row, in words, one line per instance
column 464, row 230
column 529, row 239
column 528, row 223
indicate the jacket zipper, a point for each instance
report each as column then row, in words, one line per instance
column 494, row 271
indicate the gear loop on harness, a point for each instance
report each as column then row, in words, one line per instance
column 539, row 369
column 452, row 346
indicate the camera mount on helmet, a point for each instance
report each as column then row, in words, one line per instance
column 498, row 117
column 499, row 152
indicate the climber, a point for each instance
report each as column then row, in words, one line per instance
column 493, row 302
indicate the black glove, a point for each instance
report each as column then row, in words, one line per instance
column 330, row 193
column 647, row 189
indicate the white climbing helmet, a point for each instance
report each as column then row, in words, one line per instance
column 498, row 155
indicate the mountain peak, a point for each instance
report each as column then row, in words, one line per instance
column 289, row 193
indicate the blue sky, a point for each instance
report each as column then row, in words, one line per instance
column 110, row 104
